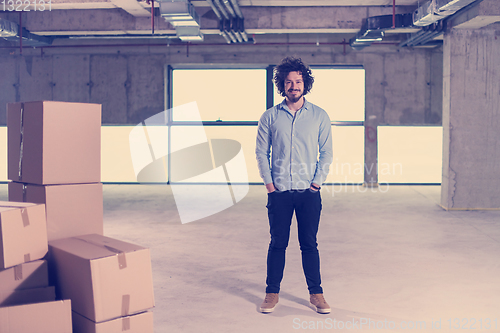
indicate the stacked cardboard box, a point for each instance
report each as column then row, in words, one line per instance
column 23, row 240
column 47, row 317
column 24, row 279
column 54, row 159
column 108, row 281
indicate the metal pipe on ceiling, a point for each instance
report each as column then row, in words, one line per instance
column 244, row 36
column 229, row 8
column 393, row 14
column 21, row 33
column 183, row 44
column 238, row 36
column 214, row 8
column 232, row 36
column 232, row 26
column 237, row 8
column 224, row 34
column 221, row 8
column 152, row 17
column 221, row 22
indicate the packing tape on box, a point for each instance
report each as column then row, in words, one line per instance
column 122, row 260
column 27, row 257
column 18, row 272
column 21, row 148
column 125, row 305
column 24, row 215
column 126, row 324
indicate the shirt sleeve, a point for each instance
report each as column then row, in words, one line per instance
column 263, row 148
column 325, row 150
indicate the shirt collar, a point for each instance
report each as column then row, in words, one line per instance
column 283, row 105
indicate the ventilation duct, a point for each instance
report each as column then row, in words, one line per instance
column 182, row 16
column 11, row 32
column 189, row 33
column 436, row 10
column 179, row 13
column 426, row 35
column 452, row 6
column 8, row 29
column 373, row 29
column 426, row 14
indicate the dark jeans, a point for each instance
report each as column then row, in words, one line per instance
column 280, row 207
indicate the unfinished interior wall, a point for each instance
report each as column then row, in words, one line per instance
column 403, row 86
column 129, row 82
column 471, row 109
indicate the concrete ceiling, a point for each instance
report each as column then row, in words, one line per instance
column 331, row 20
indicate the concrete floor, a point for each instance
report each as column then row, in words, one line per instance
column 391, row 258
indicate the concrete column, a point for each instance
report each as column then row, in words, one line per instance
column 471, row 110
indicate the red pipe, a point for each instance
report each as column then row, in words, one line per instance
column 153, row 17
column 21, row 33
column 182, row 45
column 393, row 14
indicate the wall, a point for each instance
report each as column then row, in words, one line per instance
column 471, row 111
column 402, row 86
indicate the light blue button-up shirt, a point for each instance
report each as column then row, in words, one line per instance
column 294, row 143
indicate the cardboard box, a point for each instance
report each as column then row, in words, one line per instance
column 29, row 275
column 23, row 233
column 105, row 278
column 27, row 296
column 48, row 317
column 72, row 210
column 139, row 323
column 60, row 142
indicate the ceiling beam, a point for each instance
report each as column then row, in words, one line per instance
column 257, row 19
column 132, row 7
column 313, row 3
column 478, row 16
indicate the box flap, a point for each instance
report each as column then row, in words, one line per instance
column 94, row 246
column 139, row 323
column 7, row 205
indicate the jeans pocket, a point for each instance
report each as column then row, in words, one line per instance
column 270, row 195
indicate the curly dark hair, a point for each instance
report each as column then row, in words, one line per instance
column 291, row 64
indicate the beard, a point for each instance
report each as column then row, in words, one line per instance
column 292, row 98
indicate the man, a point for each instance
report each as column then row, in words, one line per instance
column 293, row 132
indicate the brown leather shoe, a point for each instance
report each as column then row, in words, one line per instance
column 318, row 300
column 269, row 303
